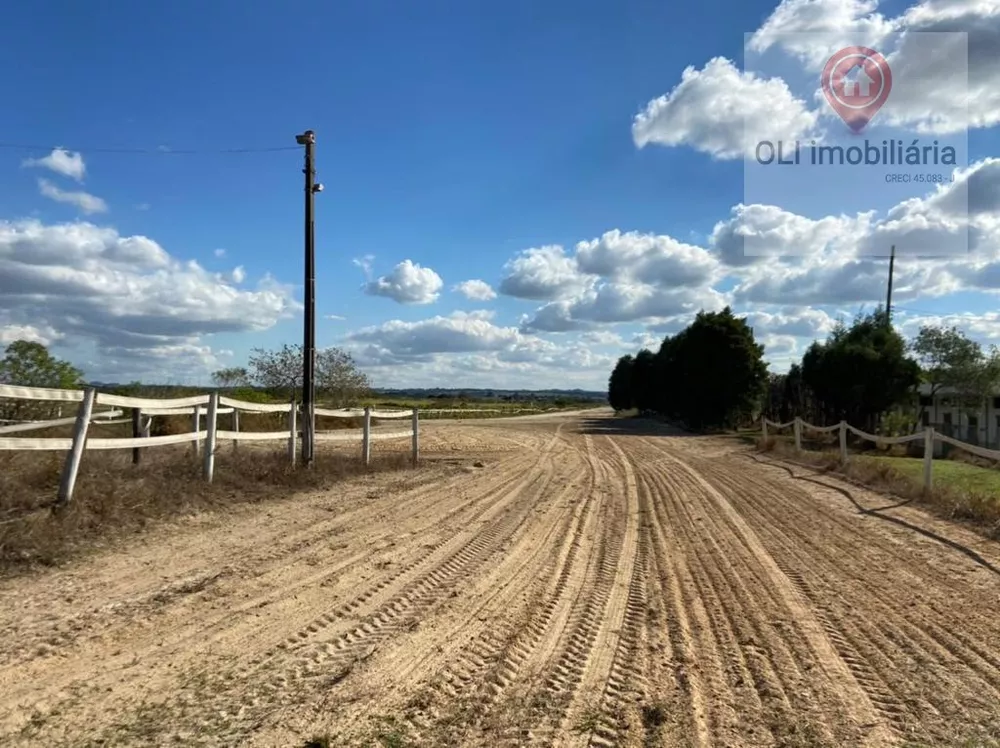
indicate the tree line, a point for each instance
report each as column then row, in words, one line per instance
column 270, row 375
column 712, row 374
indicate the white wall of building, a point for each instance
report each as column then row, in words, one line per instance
column 977, row 425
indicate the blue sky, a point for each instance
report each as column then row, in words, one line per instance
column 456, row 141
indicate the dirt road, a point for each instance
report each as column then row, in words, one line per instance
column 595, row 582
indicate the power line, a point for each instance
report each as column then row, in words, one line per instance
column 158, row 151
column 924, row 311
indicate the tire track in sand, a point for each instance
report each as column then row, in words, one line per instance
column 577, row 658
column 322, row 651
column 891, row 711
column 677, row 681
column 476, row 650
column 259, row 573
column 617, row 669
column 741, row 587
column 484, row 671
column 211, row 689
column 708, row 662
column 919, row 669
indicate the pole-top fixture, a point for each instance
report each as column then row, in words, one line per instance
column 306, row 138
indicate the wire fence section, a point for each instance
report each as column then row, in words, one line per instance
column 929, row 436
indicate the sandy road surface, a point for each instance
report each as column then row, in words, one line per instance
column 593, row 584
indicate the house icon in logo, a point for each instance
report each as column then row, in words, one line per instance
column 857, row 82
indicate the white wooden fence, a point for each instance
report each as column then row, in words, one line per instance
column 208, row 407
column 929, row 435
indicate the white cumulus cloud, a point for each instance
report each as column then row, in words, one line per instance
column 543, row 273
column 476, row 290
column 408, row 283
column 124, row 297
column 61, row 161
column 944, row 54
column 469, row 349
column 86, row 202
column 720, row 110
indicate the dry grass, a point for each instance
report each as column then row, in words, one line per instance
column 114, row 498
column 951, row 500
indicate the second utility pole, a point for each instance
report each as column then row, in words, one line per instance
column 888, row 296
column 308, row 139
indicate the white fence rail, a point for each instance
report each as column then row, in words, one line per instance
column 37, row 425
column 928, row 436
column 200, row 407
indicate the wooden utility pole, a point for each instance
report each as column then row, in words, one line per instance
column 888, row 297
column 136, row 433
column 308, row 139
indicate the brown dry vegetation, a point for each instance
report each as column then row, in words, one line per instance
column 979, row 509
column 113, row 497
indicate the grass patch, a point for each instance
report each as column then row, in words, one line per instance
column 391, row 733
column 961, row 476
column 114, row 498
column 589, row 721
column 961, row 491
column 653, row 715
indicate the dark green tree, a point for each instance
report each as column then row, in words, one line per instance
column 949, row 359
column 718, row 374
column 30, row 364
column 644, row 381
column 775, row 405
column 796, row 400
column 860, row 372
column 710, row 374
column 620, row 384
column 667, row 393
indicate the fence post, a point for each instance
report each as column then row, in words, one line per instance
column 75, row 455
column 928, row 458
column 416, row 437
column 211, row 426
column 136, row 433
column 843, row 442
column 797, row 428
column 196, row 421
column 763, row 429
column 236, row 427
column 293, row 432
column 366, row 438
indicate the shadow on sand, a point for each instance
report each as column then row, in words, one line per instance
column 637, row 426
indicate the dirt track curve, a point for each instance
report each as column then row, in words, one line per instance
column 597, row 582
